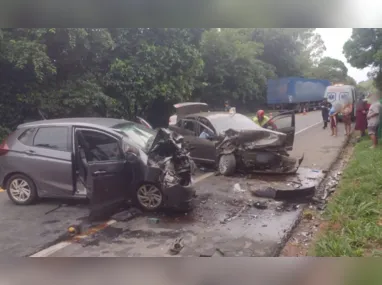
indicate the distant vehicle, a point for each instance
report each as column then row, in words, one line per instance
column 106, row 160
column 340, row 94
column 183, row 109
column 234, row 142
column 295, row 93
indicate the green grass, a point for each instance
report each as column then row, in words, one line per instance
column 354, row 214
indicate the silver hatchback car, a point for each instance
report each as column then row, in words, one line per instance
column 106, row 160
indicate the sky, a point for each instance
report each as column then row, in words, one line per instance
column 334, row 40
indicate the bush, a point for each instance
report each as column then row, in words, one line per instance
column 4, row 132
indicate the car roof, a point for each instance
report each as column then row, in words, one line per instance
column 87, row 121
column 212, row 115
column 179, row 105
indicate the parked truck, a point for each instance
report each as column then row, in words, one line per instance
column 295, row 93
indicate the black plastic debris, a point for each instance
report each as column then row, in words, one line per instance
column 126, row 215
column 285, row 194
column 267, row 192
column 262, row 205
column 176, row 247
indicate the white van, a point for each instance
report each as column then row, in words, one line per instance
column 341, row 94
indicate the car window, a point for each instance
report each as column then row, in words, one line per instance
column 189, row 125
column 26, row 136
column 283, row 121
column 55, row 138
column 137, row 133
column 224, row 121
column 204, row 121
column 101, row 147
column 179, row 123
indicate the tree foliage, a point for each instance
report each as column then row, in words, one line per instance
column 143, row 71
column 364, row 49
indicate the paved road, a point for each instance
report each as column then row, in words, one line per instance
column 26, row 230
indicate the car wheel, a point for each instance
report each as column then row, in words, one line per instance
column 227, row 164
column 21, row 190
column 149, row 197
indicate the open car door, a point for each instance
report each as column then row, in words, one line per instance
column 285, row 123
column 105, row 175
column 184, row 109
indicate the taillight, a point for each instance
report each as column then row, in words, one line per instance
column 4, row 148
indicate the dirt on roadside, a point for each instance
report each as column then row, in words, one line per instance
column 312, row 223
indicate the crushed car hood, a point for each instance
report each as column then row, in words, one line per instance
column 168, row 154
column 256, row 139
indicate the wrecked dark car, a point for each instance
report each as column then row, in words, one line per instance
column 106, row 160
column 233, row 142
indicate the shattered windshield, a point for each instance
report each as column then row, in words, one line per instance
column 138, row 134
column 223, row 122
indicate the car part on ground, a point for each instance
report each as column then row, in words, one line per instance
column 285, row 194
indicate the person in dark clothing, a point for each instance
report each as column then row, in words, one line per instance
column 360, row 118
column 227, row 107
column 325, row 113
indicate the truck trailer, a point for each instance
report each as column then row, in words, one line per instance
column 295, row 93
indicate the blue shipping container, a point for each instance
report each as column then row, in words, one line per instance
column 295, row 90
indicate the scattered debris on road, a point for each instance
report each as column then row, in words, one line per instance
column 262, row 205
column 176, row 247
column 237, row 188
column 153, row 220
column 126, row 215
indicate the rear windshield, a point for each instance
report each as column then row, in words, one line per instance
column 139, row 134
column 223, row 122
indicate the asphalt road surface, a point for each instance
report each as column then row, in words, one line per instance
column 27, row 230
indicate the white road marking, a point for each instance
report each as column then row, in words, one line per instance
column 307, row 128
column 56, row 247
column 204, row 176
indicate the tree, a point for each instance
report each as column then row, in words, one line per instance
column 367, row 86
column 350, row 81
column 233, row 70
column 331, row 69
column 364, row 49
column 312, row 48
column 151, row 67
column 281, row 49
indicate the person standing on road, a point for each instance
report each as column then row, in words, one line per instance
column 325, row 113
column 333, row 121
column 262, row 120
column 360, row 118
column 373, row 119
column 346, row 118
column 227, row 107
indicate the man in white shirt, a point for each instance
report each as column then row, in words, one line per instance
column 373, row 119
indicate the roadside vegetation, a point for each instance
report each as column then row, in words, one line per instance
column 143, row 71
column 354, row 215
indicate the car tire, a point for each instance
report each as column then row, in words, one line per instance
column 154, row 189
column 227, row 164
column 27, row 188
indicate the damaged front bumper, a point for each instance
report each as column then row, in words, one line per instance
column 270, row 163
column 173, row 167
column 179, row 197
